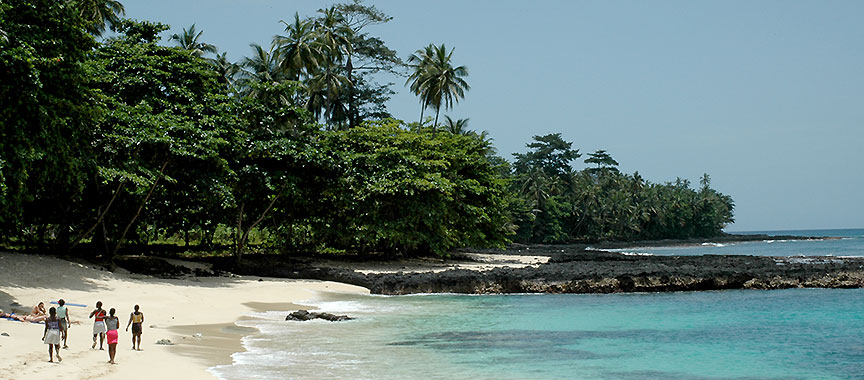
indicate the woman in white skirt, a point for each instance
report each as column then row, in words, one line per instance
column 99, row 329
column 51, row 336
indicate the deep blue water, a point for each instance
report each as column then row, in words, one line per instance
column 850, row 243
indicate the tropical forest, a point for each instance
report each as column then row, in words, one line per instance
column 115, row 137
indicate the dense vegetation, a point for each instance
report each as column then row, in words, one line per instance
column 129, row 140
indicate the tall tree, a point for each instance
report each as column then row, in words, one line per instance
column 299, row 51
column 166, row 121
column 190, row 39
column 435, row 80
column 369, row 55
column 46, row 115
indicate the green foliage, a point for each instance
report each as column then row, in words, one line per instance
column 131, row 140
column 560, row 204
column 391, row 190
column 190, row 40
column 45, row 113
column 98, row 14
column 166, row 118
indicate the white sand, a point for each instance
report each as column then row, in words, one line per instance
column 173, row 309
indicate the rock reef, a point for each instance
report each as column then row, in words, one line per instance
column 573, row 269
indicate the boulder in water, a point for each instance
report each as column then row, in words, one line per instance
column 303, row 315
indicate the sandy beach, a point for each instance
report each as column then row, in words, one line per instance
column 196, row 314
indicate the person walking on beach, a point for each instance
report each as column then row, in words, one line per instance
column 136, row 319
column 98, row 325
column 112, row 323
column 51, row 336
column 63, row 316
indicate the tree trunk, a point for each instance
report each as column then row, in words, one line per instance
column 352, row 108
column 241, row 241
column 238, row 245
column 122, row 238
column 99, row 219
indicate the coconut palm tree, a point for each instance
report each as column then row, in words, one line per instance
column 435, row 80
column 334, row 35
column 190, row 40
column 100, row 13
column 456, row 127
column 262, row 66
column 324, row 92
column 420, row 61
column 227, row 70
column 299, row 51
column 329, row 85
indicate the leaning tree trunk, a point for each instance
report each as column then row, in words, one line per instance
column 122, row 238
column 99, row 219
column 243, row 238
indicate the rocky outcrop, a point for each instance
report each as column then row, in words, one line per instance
column 572, row 269
column 303, row 315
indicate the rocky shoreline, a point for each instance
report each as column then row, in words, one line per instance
column 569, row 269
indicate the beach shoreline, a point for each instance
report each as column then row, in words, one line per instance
column 198, row 315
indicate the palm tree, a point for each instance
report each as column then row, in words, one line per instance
column 421, row 60
column 324, row 92
column 189, row 40
column 100, row 13
column 227, row 70
column 334, row 35
column 329, row 86
column 457, row 127
column 299, row 51
column 262, row 67
column 435, row 80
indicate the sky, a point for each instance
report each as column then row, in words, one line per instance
column 767, row 96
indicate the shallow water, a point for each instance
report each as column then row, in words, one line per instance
column 742, row 335
column 850, row 243
column 787, row 334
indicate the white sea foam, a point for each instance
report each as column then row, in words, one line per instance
column 623, row 251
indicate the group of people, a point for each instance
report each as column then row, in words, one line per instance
column 105, row 327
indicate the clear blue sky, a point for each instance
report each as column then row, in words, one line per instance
column 765, row 96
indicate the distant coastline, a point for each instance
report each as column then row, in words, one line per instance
column 574, row 269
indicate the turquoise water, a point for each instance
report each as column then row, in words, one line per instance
column 796, row 334
column 850, row 243
column 786, row 334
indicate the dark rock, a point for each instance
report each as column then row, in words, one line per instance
column 303, row 315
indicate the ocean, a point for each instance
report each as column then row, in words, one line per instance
column 741, row 334
column 850, row 243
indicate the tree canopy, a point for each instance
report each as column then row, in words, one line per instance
column 115, row 144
